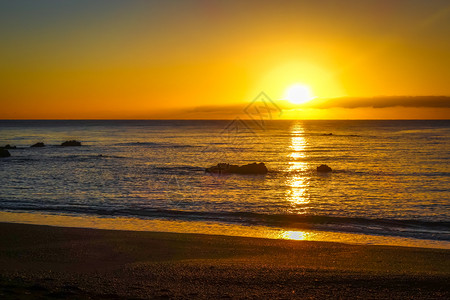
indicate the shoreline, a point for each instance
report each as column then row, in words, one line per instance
column 213, row 228
column 65, row 262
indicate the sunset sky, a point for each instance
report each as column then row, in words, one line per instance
column 208, row 59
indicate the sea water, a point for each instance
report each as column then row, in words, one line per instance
column 390, row 179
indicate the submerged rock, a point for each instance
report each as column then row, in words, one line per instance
column 323, row 169
column 224, row 168
column 71, row 143
column 4, row 153
column 40, row 144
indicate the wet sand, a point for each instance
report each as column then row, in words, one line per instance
column 73, row 263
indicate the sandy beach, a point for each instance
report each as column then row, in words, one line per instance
column 43, row 261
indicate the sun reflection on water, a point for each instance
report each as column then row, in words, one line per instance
column 122, row 223
column 297, row 181
column 294, row 235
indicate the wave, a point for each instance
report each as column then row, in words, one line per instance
column 338, row 135
column 155, row 145
column 179, row 169
column 442, row 130
column 421, row 229
column 65, row 158
column 328, row 134
column 312, row 170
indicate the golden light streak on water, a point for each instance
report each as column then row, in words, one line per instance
column 297, row 195
column 295, row 235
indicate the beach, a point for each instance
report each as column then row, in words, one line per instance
column 225, row 149
column 60, row 262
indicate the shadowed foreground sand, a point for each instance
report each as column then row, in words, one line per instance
column 72, row 263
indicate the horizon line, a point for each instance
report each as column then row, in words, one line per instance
column 244, row 119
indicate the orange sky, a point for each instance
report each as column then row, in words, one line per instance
column 207, row 59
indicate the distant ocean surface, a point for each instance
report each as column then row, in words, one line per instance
column 390, row 178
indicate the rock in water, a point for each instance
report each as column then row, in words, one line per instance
column 9, row 147
column 40, row 144
column 323, row 168
column 253, row 168
column 224, row 168
column 4, row 153
column 220, row 168
column 71, row 143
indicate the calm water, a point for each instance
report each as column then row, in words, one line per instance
column 391, row 178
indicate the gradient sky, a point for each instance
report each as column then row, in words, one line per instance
column 208, row 59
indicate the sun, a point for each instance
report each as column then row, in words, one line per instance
column 298, row 94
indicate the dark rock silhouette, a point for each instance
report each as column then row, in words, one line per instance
column 71, row 143
column 40, row 144
column 323, row 169
column 224, row 168
column 9, row 147
column 328, row 134
column 4, row 153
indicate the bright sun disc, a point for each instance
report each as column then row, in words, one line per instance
column 298, row 94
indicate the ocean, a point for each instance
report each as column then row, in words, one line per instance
column 390, row 182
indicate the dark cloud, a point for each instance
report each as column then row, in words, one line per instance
column 200, row 112
column 382, row 102
column 238, row 110
column 345, row 102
